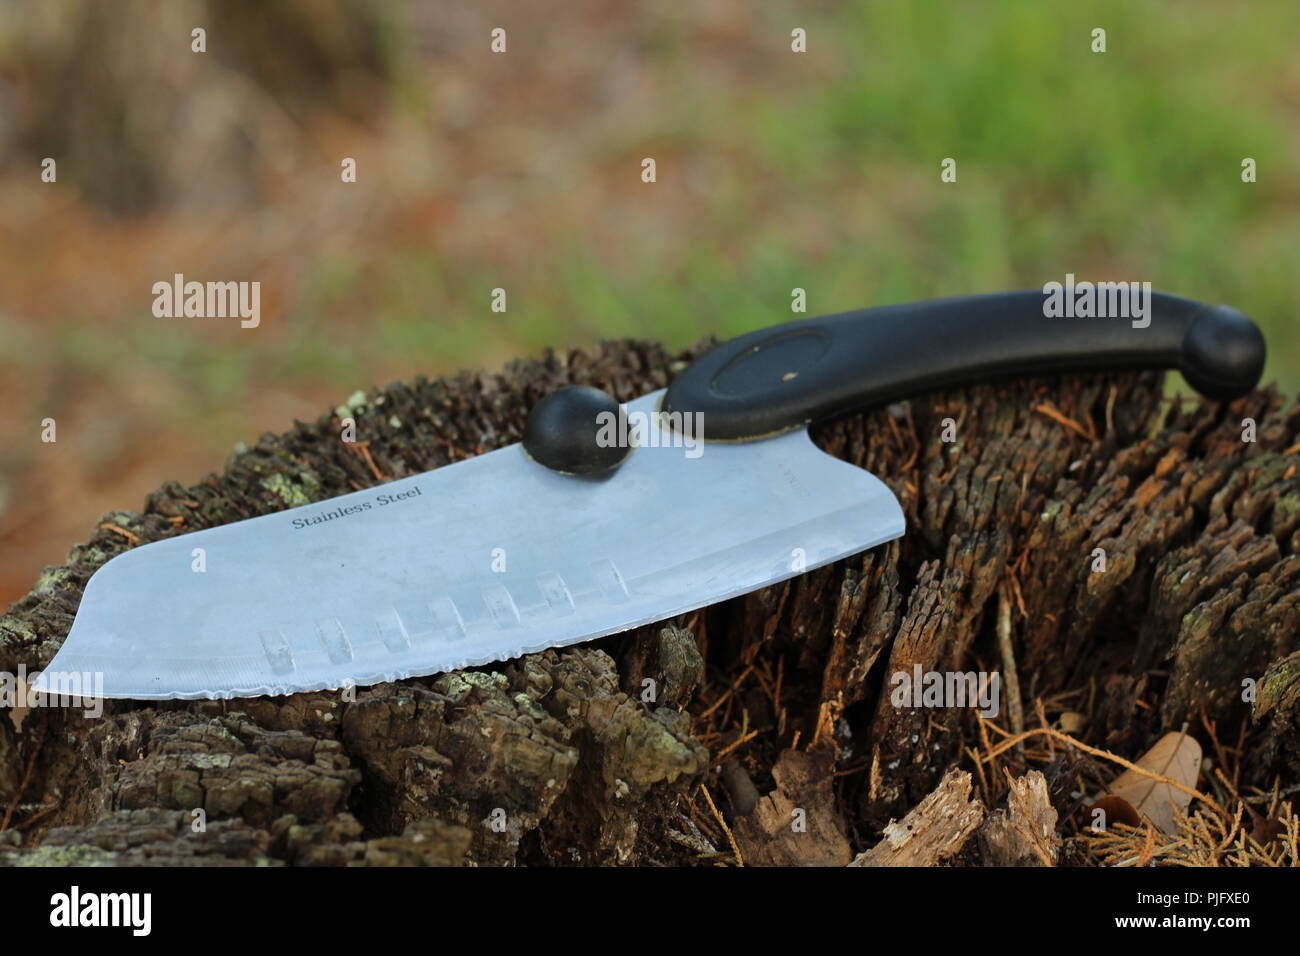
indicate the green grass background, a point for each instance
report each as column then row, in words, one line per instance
column 1121, row 165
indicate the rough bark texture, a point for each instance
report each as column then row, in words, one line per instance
column 560, row 757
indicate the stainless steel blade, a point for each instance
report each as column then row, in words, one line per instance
column 487, row 559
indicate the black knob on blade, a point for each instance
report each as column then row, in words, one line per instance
column 576, row 430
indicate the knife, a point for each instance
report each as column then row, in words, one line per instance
column 602, row 519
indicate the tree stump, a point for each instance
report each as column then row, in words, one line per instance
column 1130, row 560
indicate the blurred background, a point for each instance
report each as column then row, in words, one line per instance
column 522, row 171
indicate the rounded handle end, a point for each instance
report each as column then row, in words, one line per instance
column 1223, row 353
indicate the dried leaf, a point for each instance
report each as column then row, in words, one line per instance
column 1117, row 810
column 1176, row 756
column 1266, row 831
column 1071, row 723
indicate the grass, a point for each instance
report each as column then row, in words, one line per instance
column 1124, row 164
column 821, row 172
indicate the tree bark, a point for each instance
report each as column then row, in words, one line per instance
column 1146, row 555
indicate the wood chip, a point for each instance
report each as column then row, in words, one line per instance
column 1024, row 833
column 797, row 824
column 935, row 830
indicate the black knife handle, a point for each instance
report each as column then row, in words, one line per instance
column 781, row 377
